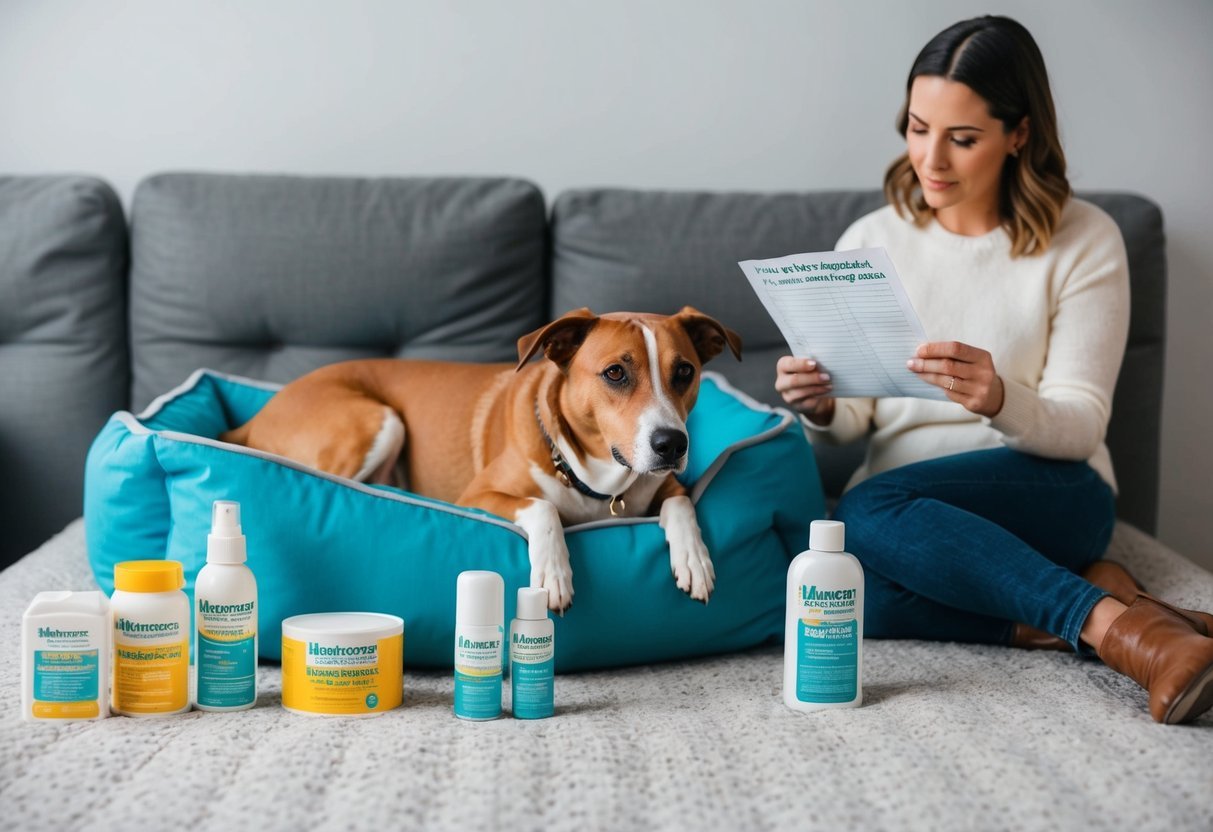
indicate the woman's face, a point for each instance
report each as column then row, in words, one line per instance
column 958, row 150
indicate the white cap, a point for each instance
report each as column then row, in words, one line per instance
column 827, row 536
column 532, row 603
column 225, row 543
column 480, row 599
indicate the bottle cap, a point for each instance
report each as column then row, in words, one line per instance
column 827, row 535
column 480, row 599
column 225, row 543
column 532, row 603
column 149, row 576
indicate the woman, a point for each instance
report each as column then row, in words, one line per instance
column 983, row 518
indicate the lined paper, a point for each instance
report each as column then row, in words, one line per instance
column 848, row 310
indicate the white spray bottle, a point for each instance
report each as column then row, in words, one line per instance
column 823, row 630
column 225, row 615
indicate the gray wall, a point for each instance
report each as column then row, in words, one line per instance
column 687, row 94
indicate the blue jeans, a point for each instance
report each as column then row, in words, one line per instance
column 959, row 548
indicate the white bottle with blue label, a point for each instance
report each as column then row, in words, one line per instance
column 532, row 656
column 225, row 618
column 479, row 644
column 65, row 657
column 823, row 634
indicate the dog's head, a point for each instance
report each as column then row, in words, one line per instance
column 631, row 379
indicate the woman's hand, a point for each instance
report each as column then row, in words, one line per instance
column 965, row 373
column 805, row 387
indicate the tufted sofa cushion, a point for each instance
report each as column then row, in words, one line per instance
column 63, row 353
column 273, row 276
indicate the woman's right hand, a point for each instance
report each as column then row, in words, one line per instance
column 805, row 387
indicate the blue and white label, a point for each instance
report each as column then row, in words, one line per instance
column 227, row 672
column 532, row 669
column 477, row 697
column 65, row 675
column 478, row 655
column 532, row 686
column 827, row 654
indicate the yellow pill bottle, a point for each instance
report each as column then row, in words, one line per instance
column 151, row 639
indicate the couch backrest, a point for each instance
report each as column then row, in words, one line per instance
column 273, row 276
column 63, row 351
column 629, row 249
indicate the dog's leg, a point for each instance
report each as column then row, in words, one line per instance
column 379, row 465
column 550, row 567
column 342, row 432
column 689, row 559
column 549, row 554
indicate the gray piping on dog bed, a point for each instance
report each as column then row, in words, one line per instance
column 135, row 426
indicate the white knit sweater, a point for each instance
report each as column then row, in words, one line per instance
column 1055, row 325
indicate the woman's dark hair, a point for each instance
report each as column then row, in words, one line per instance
column 997, row 58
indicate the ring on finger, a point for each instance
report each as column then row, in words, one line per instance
column 952, row 384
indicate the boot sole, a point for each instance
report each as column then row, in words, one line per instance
column 1194, row 701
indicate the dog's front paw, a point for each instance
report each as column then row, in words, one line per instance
column 693, row 570
column 689, row 559
column 557, row 579
column 550, row 567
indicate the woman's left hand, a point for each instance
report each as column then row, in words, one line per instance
column 965, row 373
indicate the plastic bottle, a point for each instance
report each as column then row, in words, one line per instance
column 823, row 634
column 65, row 657
column 479, row 639
column 225, row 615
column 151, row 639
column 532, row 651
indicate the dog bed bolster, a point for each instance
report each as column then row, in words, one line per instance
column 323, row 543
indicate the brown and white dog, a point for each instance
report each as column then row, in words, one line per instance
column 598, row 429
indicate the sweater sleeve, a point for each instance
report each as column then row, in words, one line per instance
column 1066, row 416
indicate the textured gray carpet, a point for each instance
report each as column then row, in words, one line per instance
column 950, row 737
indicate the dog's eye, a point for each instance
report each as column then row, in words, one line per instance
column 684, row 372
column 615, row 374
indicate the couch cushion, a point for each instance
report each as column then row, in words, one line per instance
column 652, row 250
column 1134, row 434
column 63, row 354
column 273, row 276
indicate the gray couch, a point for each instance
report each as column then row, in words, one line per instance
column 271, row 276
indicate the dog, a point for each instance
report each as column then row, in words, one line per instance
column 597, row 429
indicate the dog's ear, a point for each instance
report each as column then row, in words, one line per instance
column 707, row 334
column 560, row 339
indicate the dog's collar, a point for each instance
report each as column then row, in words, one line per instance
column 564, row 472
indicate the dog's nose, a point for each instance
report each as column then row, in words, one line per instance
column 669, row 444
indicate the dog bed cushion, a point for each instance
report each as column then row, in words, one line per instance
column 322, row 543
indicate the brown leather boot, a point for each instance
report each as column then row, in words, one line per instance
column 1030, row 638
column 1112, row 576
column 1116, row 579
column 1158, row 649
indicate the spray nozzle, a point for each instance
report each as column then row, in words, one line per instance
column 225, row 518
column 225, row 544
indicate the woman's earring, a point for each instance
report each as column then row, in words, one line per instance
column 1015, row 153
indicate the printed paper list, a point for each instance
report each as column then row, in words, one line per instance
column 848, row 310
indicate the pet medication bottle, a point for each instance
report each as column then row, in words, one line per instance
column 823, row 633
column 479, row 638
column 65, row 657
column 532, row 651
column 151, row 639
column 225, row 615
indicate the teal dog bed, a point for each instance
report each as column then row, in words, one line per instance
column 321, row 543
